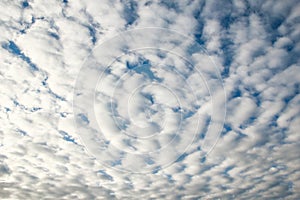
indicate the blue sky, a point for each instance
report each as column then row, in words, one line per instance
column 150, row 99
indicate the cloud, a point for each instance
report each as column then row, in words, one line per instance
column 87, row 100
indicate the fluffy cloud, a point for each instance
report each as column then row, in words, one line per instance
column 95, row 104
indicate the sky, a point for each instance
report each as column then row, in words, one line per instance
column 149, row 99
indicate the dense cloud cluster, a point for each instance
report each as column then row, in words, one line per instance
column 85, row 84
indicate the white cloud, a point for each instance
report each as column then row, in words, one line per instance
column 46, row 88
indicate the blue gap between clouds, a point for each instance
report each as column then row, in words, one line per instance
column 171, row 5
column 14, row 49
column 149, row 161
column 54, row 35
column 156, row 170
column 226, row 44
column 67, row 137
column 273, row 24
column 25, row 4
column 236, row 93
column 45, row 84
column 200, row 25
column 202, row 134
column 254, row 94
column 289, row 97
column 142, row 67
column 149, row 97
column 182, row 157
column 29, row 24
column 227, row 169
column 226, row 128
column 22, row 132
column 82, row 117
column 286, row 100
column 130, row 11
column 106, row 175
column 92, row 32
column 116, row 162
column 17, row 104
column 198, row 38
column 170, row 178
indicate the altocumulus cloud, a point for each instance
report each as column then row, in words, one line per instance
column 253, row 44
